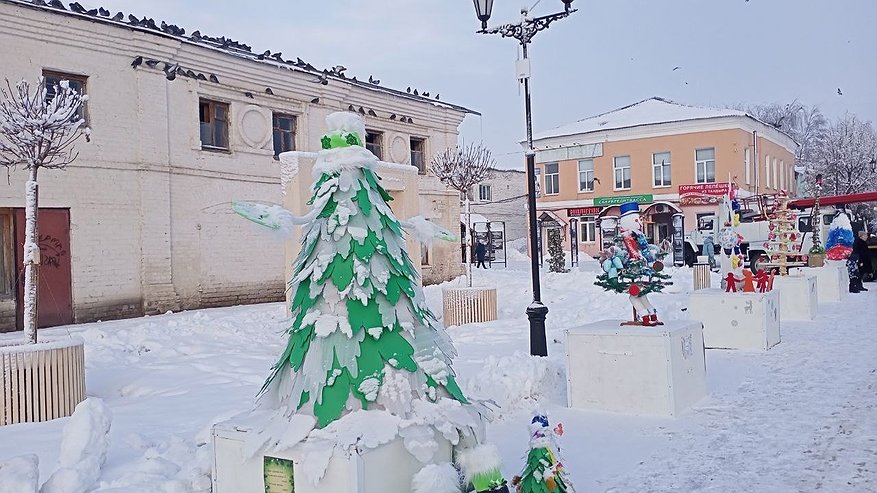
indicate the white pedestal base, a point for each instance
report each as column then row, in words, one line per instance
column 737, row 320
column 832, row 281
column 798, row 299
column 635, row 370
column 386, row 469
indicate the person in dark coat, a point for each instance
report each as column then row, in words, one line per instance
column 480, row 254
column 860, row 248
column 853, row 269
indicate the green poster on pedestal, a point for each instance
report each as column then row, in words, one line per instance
column 279, row 477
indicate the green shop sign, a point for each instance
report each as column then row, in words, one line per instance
column 621, row 199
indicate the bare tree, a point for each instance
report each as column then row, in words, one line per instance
column 846, row 158
column 39, row 126
column 461, row 168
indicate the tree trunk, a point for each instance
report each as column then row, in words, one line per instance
column 468, row 242
column 31, row 258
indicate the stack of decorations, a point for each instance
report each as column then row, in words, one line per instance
column 634, row 267
column 782, row 237
column 839, row 243
column 817, row 252
column 732, row 260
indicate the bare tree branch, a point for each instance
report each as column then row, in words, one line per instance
column 461, row 168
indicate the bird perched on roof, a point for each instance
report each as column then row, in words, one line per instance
column 57, row 4
column 201, row 77
column 415, row 92
column 361, row 110
column 75, row 7
column 426, row 94
column 137, row 62
column 133, row 20
column 371, row 112
column 409, row 89
column 278, row 56
column 196, row 36
column 214, row 79
column 323, row 78
column 315, row 100
column 339, row 69
column 151, row 63
column 118, row 17
column 393, row 117
column 350, row 107
column 373, row 80
column 437, row 97
column 249, row 95
column 104, row 12
column 170, row 71
column 92, row 12
column 261, row 56
column 269, row 91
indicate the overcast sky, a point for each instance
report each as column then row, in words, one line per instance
column 609, row 54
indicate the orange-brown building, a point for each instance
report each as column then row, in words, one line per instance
column 669, row 157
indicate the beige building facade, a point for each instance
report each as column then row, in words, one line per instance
column 671, row 158
column 181, row 126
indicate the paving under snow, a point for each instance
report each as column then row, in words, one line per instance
column 801, row 417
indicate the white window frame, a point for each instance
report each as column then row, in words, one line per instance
column 549, row 180
column 616, row 169
column 485, row 187
column 747, row 167
column 776, row 175
column 767, row 182
column 705, row 163
column 588, row 224
column 586, row 172
column 666, row 178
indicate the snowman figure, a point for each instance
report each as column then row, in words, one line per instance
column 631, row 229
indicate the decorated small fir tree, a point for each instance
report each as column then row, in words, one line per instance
column 781, row 237
column 816, row 220
column 544, row 471
column 634, row 267
column 557, row 262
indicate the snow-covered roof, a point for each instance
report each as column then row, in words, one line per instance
column 648, row 112
column 227, row 45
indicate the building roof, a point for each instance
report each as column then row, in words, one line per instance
column 227, row 45
column 651, row 111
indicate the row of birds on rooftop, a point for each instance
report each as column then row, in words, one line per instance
column 171, row 70
column 322, row 77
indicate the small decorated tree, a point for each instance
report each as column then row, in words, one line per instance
column 39, row 127
column 839, row 243
column 780, row 245
column 634, row 267
column 544, row 471
column 817, row 252
column 557, row 262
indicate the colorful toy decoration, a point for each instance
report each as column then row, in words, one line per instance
column 481, row 468
column 640, row 270
column 748, row 281
column 544, row 472
column 839, row 243
column 731, row 282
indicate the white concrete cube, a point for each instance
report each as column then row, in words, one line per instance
column 385, row 469
column 798, row 298
column 737, row 320
column 832, row 280
column 635, row 370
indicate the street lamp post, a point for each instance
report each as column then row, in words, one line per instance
column 524, row 32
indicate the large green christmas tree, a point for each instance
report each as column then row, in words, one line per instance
column 362, row 336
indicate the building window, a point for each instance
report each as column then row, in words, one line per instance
column 374, row 142
column 747, row 167
column 706, row 165
column 484, row 193
column 775, row 179
column 586, row 175
column 783, row 175
column 424, row 254
column 552, row 179
column 284, row 133
column 767, row 182
column 622, row 172
column 76, row 82
column 589, row 229
column 418, row 154
column 214, row 124
column 661, row 169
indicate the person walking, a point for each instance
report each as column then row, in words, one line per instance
column 480, row 254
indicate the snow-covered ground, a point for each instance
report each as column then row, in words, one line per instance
column 801, row 417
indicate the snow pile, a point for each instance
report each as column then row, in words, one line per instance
column 20, row 474
column 436, row 478
column 83, row 449
column 516, row 383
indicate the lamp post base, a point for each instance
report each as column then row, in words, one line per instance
column 536, row 312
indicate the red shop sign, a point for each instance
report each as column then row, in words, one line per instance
column 583, row 211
